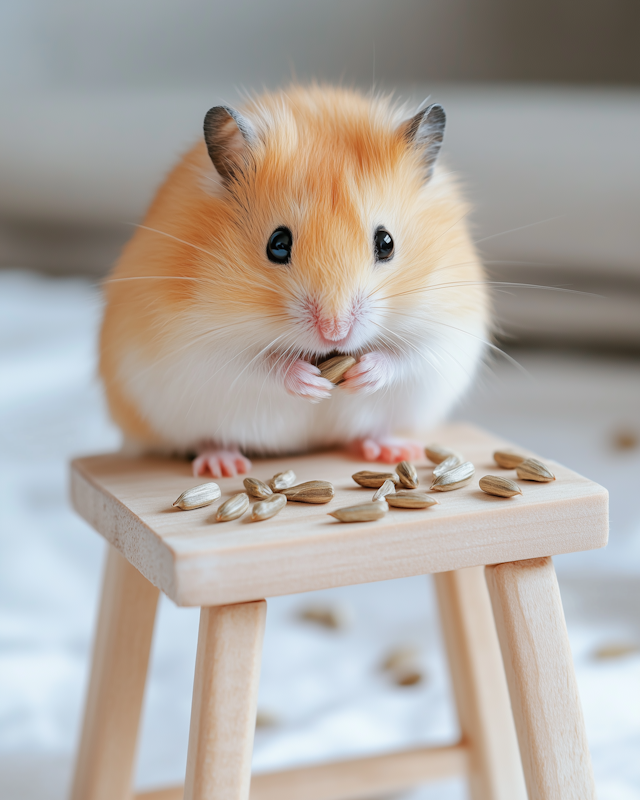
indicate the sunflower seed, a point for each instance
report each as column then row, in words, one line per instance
column 386, row 488
column 436, row 453
column 266, row 719
column 609, row 651
column 507, row 460
column 310, row 492
column 410, row 499
column 374, row 480
column 500, row 487
column 198, row 496
column 233, row 508
column 365, row 512
column 335, row 617
column 407, row 474
column 533, row 470
column 447, row 464
column 400, row 658
column 409, row 677
column 404, row 665
column 283, row 480
column 333, row 369
column 454, row 478
column 257, row 489
column 265, row 509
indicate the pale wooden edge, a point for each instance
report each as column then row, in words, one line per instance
column 542, row 683
column 347, row 780
column 211, row 579
column 225, row 696
column 244, row 574
column 123, row 636
column 479, row 684
column 148, row 553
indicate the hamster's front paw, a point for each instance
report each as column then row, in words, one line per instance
column 221, row 463
column 303, row 379
column 372, row 372
column 387, row 449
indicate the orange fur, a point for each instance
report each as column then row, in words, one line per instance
column 331, row 163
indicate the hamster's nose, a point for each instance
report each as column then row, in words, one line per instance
column 334, row 328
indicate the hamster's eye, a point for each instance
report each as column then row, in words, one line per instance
column 279, row 246
column 383, row 244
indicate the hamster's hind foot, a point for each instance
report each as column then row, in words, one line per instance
column 221, row 463
column 388, row 450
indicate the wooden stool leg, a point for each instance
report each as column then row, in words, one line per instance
column 106, row 755
column 225, row 694
column 479, row 685
column 544, row 694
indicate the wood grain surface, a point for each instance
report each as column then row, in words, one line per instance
column 106, row 756
column 542, row 683
column 225, row 695
column 198, row 562
column 349, row 779
column 479, row 686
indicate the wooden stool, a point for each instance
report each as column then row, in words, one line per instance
column 228, row 570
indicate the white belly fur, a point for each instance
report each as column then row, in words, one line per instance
column 192, row 400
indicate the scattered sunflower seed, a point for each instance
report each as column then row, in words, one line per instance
column 310, row 492
column 257, row 489
column 404, row 665
column 335, row 617
column 265, row 509
column 436, row 453
column 233, row 508
column 198, row 496
column 533, row 470
column 507, row 459
column 365, row 512
column 283, row 480
column 399, row 657
column 611, row 651
column 500, row 487
column 266, row 719
column 374, row 480
column 454, row 478
column 386, row 488
column 410, row 499
column 333, row 369
column 447, row 464
column 409, row 677
column 407, row 474
column 626, row 440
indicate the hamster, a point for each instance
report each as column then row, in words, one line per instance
column 311, row 222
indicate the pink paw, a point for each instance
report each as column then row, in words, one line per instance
column 221, row 463
column 304, row 380
column 372, row 372
column 387, row 449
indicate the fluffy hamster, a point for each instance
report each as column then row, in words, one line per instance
column 311, row 222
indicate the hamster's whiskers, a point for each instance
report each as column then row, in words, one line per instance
column 486, row 342
column 233, row 358
column 415, row 349
column 170, row 236
column 520, row 228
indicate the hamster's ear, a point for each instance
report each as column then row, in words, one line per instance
column 425, row 133
column 229, row 137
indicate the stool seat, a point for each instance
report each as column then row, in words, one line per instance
column 197, row 562
column 521, row 727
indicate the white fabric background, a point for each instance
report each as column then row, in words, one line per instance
column 325, row 687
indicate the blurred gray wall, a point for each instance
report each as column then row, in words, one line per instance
column 151, row 43
column 99, row 99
